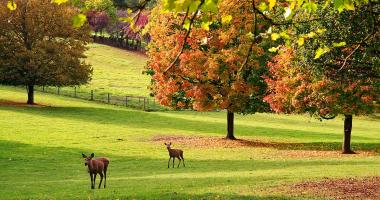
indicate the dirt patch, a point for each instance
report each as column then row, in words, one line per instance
column 288, row 150
column 19, row 104
column 348, row 188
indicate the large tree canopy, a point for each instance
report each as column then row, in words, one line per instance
column 343, row 79
column 215, row 71
column 39, row 46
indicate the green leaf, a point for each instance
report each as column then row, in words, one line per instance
column 194, row 6
column 321, row 31
column 262, row 6
column 205, row 25
column 226, row 19
column 210, row 6
column 340, row 44
column 275, row 36
column 250, row 35
column 349, row 5
column 11, row 5
column 186, row 25
column 311, row 35
column 79, row 20
column 59, row 2
column 320, row 51
column 284, row 35
column 273, row 49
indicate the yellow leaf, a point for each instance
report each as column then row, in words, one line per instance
column 275, row 36
column 301, row 41
column 79, row 20
column 320, row 51
column 310, row 35
column 59, row 1
column 11, row 5
column 340, row 44
column 273, row 49
column 226, row 19
column 272, row 3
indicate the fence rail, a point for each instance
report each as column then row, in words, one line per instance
column 137, row 102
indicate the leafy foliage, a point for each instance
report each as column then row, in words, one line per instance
column 211, row 73
column 39, row 45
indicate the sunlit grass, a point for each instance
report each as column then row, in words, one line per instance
column 40, row 152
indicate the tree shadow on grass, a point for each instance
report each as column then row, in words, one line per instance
column 139, row 119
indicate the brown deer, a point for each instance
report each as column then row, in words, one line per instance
column 96, row 166
column 175, row 153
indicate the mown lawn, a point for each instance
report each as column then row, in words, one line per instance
column 41, row 146
column 115, row 71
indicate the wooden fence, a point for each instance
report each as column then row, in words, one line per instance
column 138, row 102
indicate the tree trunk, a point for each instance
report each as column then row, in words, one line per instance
column 346, row 148
column 230, row 126
column 30, row 95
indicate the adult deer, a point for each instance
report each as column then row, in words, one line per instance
column 96, row 166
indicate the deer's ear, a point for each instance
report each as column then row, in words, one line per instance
column 84, row 156
column 170, row 143
column 92, row 155
column 165, row 143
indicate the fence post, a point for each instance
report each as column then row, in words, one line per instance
column 144, row 103
column 92, row 95
column 75, row 92
column 108, row 98
column 126, row 101
column 58, row 92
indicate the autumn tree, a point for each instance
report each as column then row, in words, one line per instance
column 219, row 66
column 39, row 46
column 334, row 68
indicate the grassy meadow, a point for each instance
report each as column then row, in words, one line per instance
column 115, row 71
column 41, row 146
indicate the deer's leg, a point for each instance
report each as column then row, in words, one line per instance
column 173, row 161
column 183, row 161
column 101, row 179
column 169, row 161
column 179, row 162
column 92, row 181
column 105, row 177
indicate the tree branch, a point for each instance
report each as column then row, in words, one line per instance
column 186, row 36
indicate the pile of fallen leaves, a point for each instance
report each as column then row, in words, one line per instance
column 207, row 142
column 347, row 188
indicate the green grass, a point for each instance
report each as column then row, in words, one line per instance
column 40, row 152
column 116, row 71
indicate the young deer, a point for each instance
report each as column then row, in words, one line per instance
column 175, row 153
column 96, row 166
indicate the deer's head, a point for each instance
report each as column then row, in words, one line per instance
column 87, row 159
column 168, row 145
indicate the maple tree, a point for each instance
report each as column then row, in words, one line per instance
column 299, row 89
column 214, row 70
column 338, row 78
column 39, row 46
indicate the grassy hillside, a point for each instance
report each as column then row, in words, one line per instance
column 41, row 146
column 116, row 71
